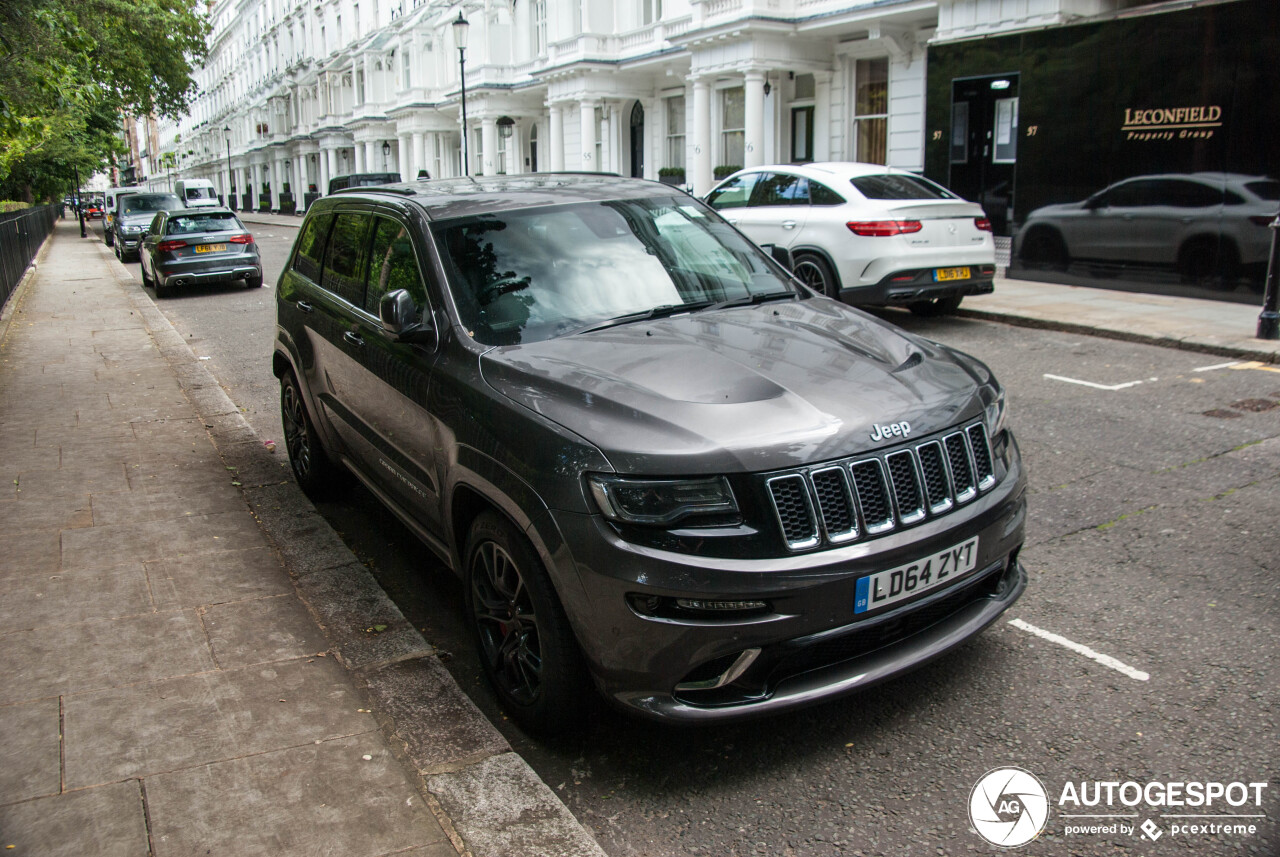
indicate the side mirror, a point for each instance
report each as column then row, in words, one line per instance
column 399, row 317
column 781, row 255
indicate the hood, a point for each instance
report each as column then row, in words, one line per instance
column 135, row 220
column 744, row 389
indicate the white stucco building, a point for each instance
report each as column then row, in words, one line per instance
column 299, row 91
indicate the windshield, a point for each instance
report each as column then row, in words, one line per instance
column 534, row 274
column 149, row 204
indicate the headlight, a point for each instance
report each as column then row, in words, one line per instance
column 662, row 502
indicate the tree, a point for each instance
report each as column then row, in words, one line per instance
column 66, row 66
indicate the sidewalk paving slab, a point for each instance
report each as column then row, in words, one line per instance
column 193, row 661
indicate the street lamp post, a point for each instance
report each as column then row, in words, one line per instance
column 1269, row 320
column 79, row 200
column 386, row 155
column 231, row 179
column 460, row 27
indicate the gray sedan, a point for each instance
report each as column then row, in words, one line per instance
column 198, row 246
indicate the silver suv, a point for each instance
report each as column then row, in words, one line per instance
column 659, row 463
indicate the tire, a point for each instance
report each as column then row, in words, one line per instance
column 110, row 238
column 314, row 470
column 1206, row 262
column 161, row 291
column 253, row 282
column 1045, row 248
column 814, row 272
column 937, row 306
column 520, row 630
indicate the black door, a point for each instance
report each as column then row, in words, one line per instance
column 637, row 141
column 984, row 145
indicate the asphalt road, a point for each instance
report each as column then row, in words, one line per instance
column 1152, row 540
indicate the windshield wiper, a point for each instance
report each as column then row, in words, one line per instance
column 749, row 300
column 660, row 311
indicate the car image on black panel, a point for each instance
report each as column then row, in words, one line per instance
column 661, row 465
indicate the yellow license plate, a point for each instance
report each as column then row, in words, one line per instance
column 219, row 248
column 943, row 274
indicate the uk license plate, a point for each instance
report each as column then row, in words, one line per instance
column 897, row 584
column 211, row 248
column 942, row 275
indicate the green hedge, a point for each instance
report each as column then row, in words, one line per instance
column 7, row 205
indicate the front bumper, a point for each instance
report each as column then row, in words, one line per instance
column 811, row 645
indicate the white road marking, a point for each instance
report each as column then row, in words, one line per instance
column 1096, row 386
column 1217, row 366
column 1105, row 660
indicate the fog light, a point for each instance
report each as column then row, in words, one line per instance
column 699, row 604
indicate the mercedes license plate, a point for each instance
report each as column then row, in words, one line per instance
column 942, row 275
column 211, row 248
column 896, row 584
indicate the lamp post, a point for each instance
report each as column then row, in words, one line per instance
column 386, row 153
column 231, row 179
column 79, row 199
column 1269, row 319
column 460, row 27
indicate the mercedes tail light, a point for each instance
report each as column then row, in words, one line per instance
column 883, row 228
column 983, row 224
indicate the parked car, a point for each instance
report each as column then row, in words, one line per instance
column 866, row 233
column 133, row 214
column 93, row 209
column 656, row 460
column 1206, row 225
column 338, row 183
column 109, row 210
column 198, row 246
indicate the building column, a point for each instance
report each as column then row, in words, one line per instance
column 404, row 157
column 555, row 146
column 279, row 176
column 702, row 176
column 419, row 153
column 822, row 115
column 753, row 150
column 360, row 164
column 587, row 120
column 489, row 146
column 331, row 168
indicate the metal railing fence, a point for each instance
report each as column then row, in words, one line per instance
column 21, row 234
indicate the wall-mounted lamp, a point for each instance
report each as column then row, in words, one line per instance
column 767, row 86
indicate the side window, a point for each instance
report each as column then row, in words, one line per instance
column 781, row 189
column 311, row 247
column 156, row 222
column 344, row 257
column 820, row 194
column 733, row 194
column 392, row 265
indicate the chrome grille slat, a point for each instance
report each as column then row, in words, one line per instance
column 876, row 494
column 794, row 509
column 835, row 504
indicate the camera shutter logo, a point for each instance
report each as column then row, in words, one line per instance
column 1008, row 807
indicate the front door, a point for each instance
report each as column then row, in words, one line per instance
column 984, row 145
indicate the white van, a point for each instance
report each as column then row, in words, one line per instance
column 109, row 208
column 196, row 193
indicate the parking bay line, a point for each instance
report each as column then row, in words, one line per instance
column 1096, row 386
column 1238, row 364
column 1105, row 660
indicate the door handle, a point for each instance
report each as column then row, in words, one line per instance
column 788, row 224
column 353, row 337
column 304, row 306
column 733, row 221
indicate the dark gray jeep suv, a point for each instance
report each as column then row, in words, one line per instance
column 657, row 461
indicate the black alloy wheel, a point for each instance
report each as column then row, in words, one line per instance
column 814, row 272
column 521, row 632
column 312, row 468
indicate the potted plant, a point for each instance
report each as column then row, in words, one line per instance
column 671, row 175
column 264, row 198
column 725, row 170
column 287, row 203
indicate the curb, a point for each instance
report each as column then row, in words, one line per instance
column 484, row 795
column 1260, row 355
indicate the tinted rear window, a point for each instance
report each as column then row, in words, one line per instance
column 189, row 224
column 311, row 246
column 899, row 187
column 1264, row 189
column 201, row 193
